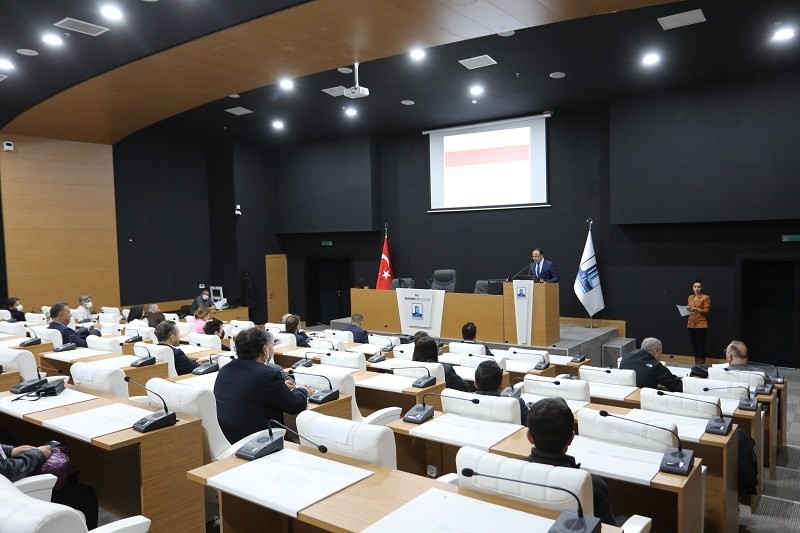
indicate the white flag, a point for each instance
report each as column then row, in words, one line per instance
column 587, row 282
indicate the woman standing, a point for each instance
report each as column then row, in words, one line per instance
column 699, row 303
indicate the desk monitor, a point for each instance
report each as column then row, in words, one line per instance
column 494, row 286
column 216, row 293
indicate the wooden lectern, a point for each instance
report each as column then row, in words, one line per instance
column 545, row 326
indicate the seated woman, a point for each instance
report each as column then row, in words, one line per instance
column 426, row 351
column 136, row 312
column 200, row 317
column 16, row 309
column 292, row 325
column 214, row 327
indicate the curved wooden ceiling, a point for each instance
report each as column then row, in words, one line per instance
column 309, row 38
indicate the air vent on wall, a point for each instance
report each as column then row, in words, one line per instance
column 80, row 26
column 238, row 111
column 679, row 20
column 478, row 62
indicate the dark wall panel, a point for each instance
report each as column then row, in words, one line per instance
column 222, row 220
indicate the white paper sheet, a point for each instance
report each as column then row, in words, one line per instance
column 72, row 355
column 729, row 405
column 205, row 382
column 116, row 362
column 447, row 511
column 683, row 310
column 574, row 405
column 467, row 373
column 87, row 425
column 520, row 367
column 615, row 461
column 387, row 382
column 189, row 349
column 609, row 391
column 25, row 406
column 689, row 429
column 680, row 371
column 560, row 359
column 460, row 430
column 365, row 349
column 287, row 481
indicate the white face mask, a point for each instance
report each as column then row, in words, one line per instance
column 19, row 307
column 87, row 305
column 205, row 297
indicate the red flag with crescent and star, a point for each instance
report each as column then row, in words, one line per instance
column 385, row 274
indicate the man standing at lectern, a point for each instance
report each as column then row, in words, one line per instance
column 542, row 270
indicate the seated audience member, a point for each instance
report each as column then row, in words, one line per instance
column 359, row 334
column 284, row 317
column 468, row 333
column 22, row 461
column 203, row 299
column 214, row 327
column 418, row 335
column 168, row 334
column 136, row 312
column 200, row 317
column 249, row 393
column 427, row 351
column 292, row 325
column 550, row 430
column 60, row 315
column 488, row 376
column 16, row 309
column 153, row 315
column 650, row 373
column 84, row 311
column 737, row 358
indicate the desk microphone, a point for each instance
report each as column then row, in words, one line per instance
column 541, row 365
column 747, row 404
column 333, row 346
column 718, row 425
column 156, row 420
column 322, row 396
column 388, row 347
column 212, row 365
column 263, row 445
column 143, row 361
column 675, row 460
column 135, row 338
column 305, row 361
column 29, row 385
column 420, row 413
column 511, row 392
column 567, row 521
column 32, row 341
column 51, row 388
column 777, row 378
column 526, row 267
column 420, row 383
column 764, row 388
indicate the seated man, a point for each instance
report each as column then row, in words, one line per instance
column 153, row 315
column 488, row 376
column 249, row 393
column 203, row 299
column 168, row 334
column 22, row 461
column 60, row 315
column 650, row 373
column 468, row 333
column 359, row 334
column 84, row 311
column 292, row 325
column 551, row 430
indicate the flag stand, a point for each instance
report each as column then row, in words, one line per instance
column 587, row 281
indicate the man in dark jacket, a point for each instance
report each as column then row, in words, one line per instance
column 168, row 334
column 60, row 315
column 650, row 373
column 488, row 376
column 359, row 334
column 22, row 461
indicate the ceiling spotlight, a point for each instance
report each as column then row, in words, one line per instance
column 783, row 34
column 651, row 59
column 234, row 95
column 345, row 70
column 407, row 102
column 417, row 54
column 277, row 124
column 111, row 12
column 5, row 64
column 27, row 52
column 476, row 90
column 474, row 101
column 557, row 75
column 52, row 39
column 507, row 33
column 286, row 84
column 351, row 111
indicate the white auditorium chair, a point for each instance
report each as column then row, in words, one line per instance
column 172, row 316
column 339, row 335
column 88, row 376
column 5, row 314
column 39, row 486
column 612, row 376
column 608, row 429
column 679, row 403
column 327, row 344
column 137, row 323
column 125, row 313
column 46, row 310
column 110, row 311
column 466, row 347
column 365, row 442
column 35, row 318
column 569, row 389
column 189, row 319
column 239, row 325
column 104, row 344
column 473, row 360
column 145, row 332
column 211, row 342
column 344, row 359
column 111, row 329
column 383, row 340
column 753, row 378
column 13, row 328
column 404, row 351
column 49, row 335
column 21, row 361
column 275, row 327
column 492, row 408
column 185, row 328
column 724, row 389
column 111, row 318
column 528, row 355
column 161, row 353
column 401, row 367
column 284, row 339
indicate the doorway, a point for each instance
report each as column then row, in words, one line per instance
column 328, row 282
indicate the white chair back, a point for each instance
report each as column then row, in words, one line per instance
column 188, row 319
column 273, row 329
column 573, row 479
column 404, row 351
column 185, row 328
column 339, row 335
column 111, row 329
column 13, row 328
column 104, row 344
column 327, row 344
column 36, row 318
column 472, row 360
column 161, row 353
column 340, row 378
column 527, row 355
column 125, row 313
column 275, row 325
column 373, row 444
column 22, row 361
column 400, row 367
column 753, row 378
column 494, row 408
column 285, row 339
column 112, row 318
column 383, row 340
column 239, row 325
column 5, row 314
column 721, row 389
column 345, row 359
column 681, row 404
column 99, row 378
column 22, row 513
column 49, row 335
column 612, row 376
column 627, row 433
column 569, row 389
column 207, row 341
column 110, row 311
column 172, row 316
column 137, row 323
column 466, row 347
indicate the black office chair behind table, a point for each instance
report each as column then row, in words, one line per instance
column 444, row 280
column 403, row 283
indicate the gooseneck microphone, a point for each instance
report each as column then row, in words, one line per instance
column 718, row 425
column 424, row 381
column 135, row 338
column 567, row 520
column 333, row 346
column 523, row 269
column 421, row 412
column 156, row 420
column 143, row 361
column 510, row 391
column 320, row 396
column 541, row 365
column 675, row 460
column 747, row 404
column 320, row 447
column 777, row 378
column 305, row 361
column 764, row 388
column 33, row 341
column 29, row 385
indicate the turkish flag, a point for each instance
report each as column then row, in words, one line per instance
column 385, row 274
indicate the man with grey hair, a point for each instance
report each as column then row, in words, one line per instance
column 650, row 373
column 84, row 311
column 60, row 316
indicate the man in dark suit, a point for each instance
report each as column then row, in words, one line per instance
column 488, row 376
column 359, row 334
column 468, row 333
column 541, row 269
column 60, row 315
column 168, row 334
column 249, row 393
column 202, row 299
column 650, row 373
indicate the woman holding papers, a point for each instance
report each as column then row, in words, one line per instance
column 698, row 304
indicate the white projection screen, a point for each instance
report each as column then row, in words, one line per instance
column 495, row 165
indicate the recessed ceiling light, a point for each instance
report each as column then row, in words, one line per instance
column 345, row 70
column 351, row 112
column 557, row 75
column 476, row 90
column 417, row 54
column 651, row 59
column 5, row 64
column 286, row 84
column 508, row 33
column 27, row 52
column 407, row 102
column 277, row 124
column 52, row 39
column 474, row 101
column 783, row 34
column 234, row 95
column 111, row 12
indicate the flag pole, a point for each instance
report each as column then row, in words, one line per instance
column 385, row 230
column 591, row 317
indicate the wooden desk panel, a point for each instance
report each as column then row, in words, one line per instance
column 234, row 313
column 378, row 307
column 484, row 310
column 8, row 379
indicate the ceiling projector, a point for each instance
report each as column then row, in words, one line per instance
column 356, row 92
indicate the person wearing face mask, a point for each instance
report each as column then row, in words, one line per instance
column 203, row 299
column 168, row 334
column 84, row 311
column 16, row 309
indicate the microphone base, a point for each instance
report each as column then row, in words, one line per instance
column 144, row 361
column 324, row 396
column 511, row 392
column 207, row 368
column 155, row 421
column 28, row 386
column 260, row 446
column 578, row 359
column 778, row 380
column 31, row 342
column 52, row 388
column 764, row 389
column 719, row 426
column 303, row 362
column 541, row 365
column 569, row 521
column 377, row 358
column 419, row 414
column 748, row 404
column 423, row 382
column 677, row 462
column 131, row 340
